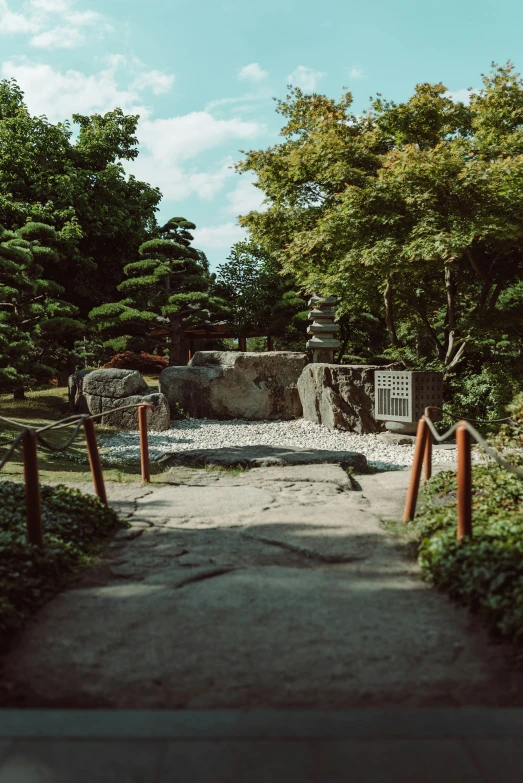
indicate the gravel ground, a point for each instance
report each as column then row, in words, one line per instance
column 211, row 434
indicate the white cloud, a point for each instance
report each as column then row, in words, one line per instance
column 245, row 197
column 59, row 95
column 263, row 94
column 53, row 24
column 305, row 78
column 220, row 237
column 460, row 95
column 185, row 136
column 158, row 81
column 356, row 73
column 253, row 73
column 15, row 22
column 59, row 38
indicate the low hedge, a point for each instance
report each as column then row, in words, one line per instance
column 146, row 363
column 484, row 572
column 75, row 526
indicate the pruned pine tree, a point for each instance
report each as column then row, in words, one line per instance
column 33, row 317
column 168, row 287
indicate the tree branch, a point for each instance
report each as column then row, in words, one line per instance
column 389, row 315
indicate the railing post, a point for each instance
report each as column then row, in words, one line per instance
column 428, row 450
column 94, row 460
column 144, row 442
column 415, row 475
column 33, row 501
column 463, row 441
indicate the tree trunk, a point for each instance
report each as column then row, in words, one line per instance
column 389, row 315
column 176, row 355
column 19, row 393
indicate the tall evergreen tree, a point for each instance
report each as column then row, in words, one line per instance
column 168, row 287
column 33, row 316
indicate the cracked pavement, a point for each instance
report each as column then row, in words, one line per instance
column 277, row 587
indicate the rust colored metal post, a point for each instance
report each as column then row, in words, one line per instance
column 94, row 460
column 427, row 460
column 144, row 442
column 463, row 441
column 32, row 490
column 415, row 474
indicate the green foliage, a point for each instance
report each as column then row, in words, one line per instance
column 485, row 572
column 33, row 319
column 78, row 187
column 260, row 298
column 74, row 528
column 166, row 291
column 410, row 214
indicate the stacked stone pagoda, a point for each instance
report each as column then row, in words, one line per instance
column 322, row 330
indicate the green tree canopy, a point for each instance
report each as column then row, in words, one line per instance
column 78, row 186
column 261, row 299
column 33, row 315
column 410, row 213
column 166, row 291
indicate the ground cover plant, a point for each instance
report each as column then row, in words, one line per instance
column 484, row 572
column 75, row 526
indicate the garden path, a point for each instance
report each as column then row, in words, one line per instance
column 276, row 587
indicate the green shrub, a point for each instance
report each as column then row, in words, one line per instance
column 146, row 363
column 74, row 528
column 484, row 572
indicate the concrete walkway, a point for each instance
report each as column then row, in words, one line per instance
column 286, row 746
column 275, row 588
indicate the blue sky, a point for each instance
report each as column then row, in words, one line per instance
column 202, row 75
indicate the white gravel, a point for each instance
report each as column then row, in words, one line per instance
column 212, row 434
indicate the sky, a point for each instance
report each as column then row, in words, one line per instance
column 203, row 74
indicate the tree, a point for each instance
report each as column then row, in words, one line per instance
column 166, row 291
column 260, row 298
column 33, row 316
column 409, row 213
column 80, row 188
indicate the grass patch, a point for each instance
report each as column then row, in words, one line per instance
column 42, row 408
column 484, row 572
column 75, row 526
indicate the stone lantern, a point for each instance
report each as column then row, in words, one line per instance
column 322, row 329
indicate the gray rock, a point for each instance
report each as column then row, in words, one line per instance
column 264, row 456
column 157, row 420
column 237, row 385
column 339, row 396
column 402, row 427
column 75, row 391
column 397, row 439
column 114, row 383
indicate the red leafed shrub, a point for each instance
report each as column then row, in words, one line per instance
column 146, row 363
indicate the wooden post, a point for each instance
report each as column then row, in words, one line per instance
column 144, row 445
column 463, row 441
column 242, row 343
column 415, row 474
column 190, row 350
column 270, row 343
column 33, row 501
column 94, row 460
column 428, row 450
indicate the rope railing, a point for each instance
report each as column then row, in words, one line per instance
column 30, row 437
column 465, row 432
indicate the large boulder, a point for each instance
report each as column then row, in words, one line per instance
column 157, row 420
column 340, row 396
column 114, row 383
column 236, row 385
